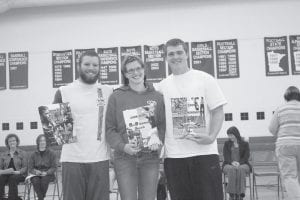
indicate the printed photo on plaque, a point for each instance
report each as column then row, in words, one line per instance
column 139, row 124
column 57, row 123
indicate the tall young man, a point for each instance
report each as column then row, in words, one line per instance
column 85, row 166
column 192, row 163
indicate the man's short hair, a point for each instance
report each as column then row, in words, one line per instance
column 175, row 42
column 292, row 93
column 90, row 53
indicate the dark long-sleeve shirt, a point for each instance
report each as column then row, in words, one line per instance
column 45, row 162
column 244, row 152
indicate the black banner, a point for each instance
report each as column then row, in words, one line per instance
column 62, row 67
column 276, row 56
column 227, row 59
column 131, row 50
column 2, row 71
column 78, row 53
column 155, row 63
column 18, row 70
column 109, row 65
column 295, row 53
column 203, row 56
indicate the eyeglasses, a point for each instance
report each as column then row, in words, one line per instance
column 138, row 69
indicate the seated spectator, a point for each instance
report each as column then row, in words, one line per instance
column 13, row 167
column 236, row 153
column 42, row 164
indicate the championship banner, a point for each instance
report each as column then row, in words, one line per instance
column 227, row 59
column 78, row 53
column 295, row 53
column 2, row 71
column 155, row 63
column 109, row 65
column 203, row 56
column 18, row 70
column 131, row 50
column 62, row 68
column 276, row 56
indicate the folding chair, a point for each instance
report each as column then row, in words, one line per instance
column 272, row 171
column 264, row 162
column 225, row 184
column 56, row 192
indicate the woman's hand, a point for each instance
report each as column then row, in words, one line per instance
column 16, row 172
column 37, row 172
column 154, row 147
column 131, row 149
column 43, row 173
column 235, row 163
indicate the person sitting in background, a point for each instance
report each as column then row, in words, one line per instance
column 236, row 154
column 42, row 164
column 285, row 125
column 13, row 167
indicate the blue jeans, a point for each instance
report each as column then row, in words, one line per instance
column 137, row 176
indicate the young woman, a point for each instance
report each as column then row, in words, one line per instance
column 236, row 154
column 135, row 128
column 42, row 163
column 13, row 167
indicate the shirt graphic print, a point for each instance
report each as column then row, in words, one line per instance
column 188, row 115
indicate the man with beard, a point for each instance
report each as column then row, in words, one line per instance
column 85, row 165
column 192, row 162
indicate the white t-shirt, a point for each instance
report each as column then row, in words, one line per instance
column 84, row 103
column 189, row 98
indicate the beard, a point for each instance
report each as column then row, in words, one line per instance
column 88, row 79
